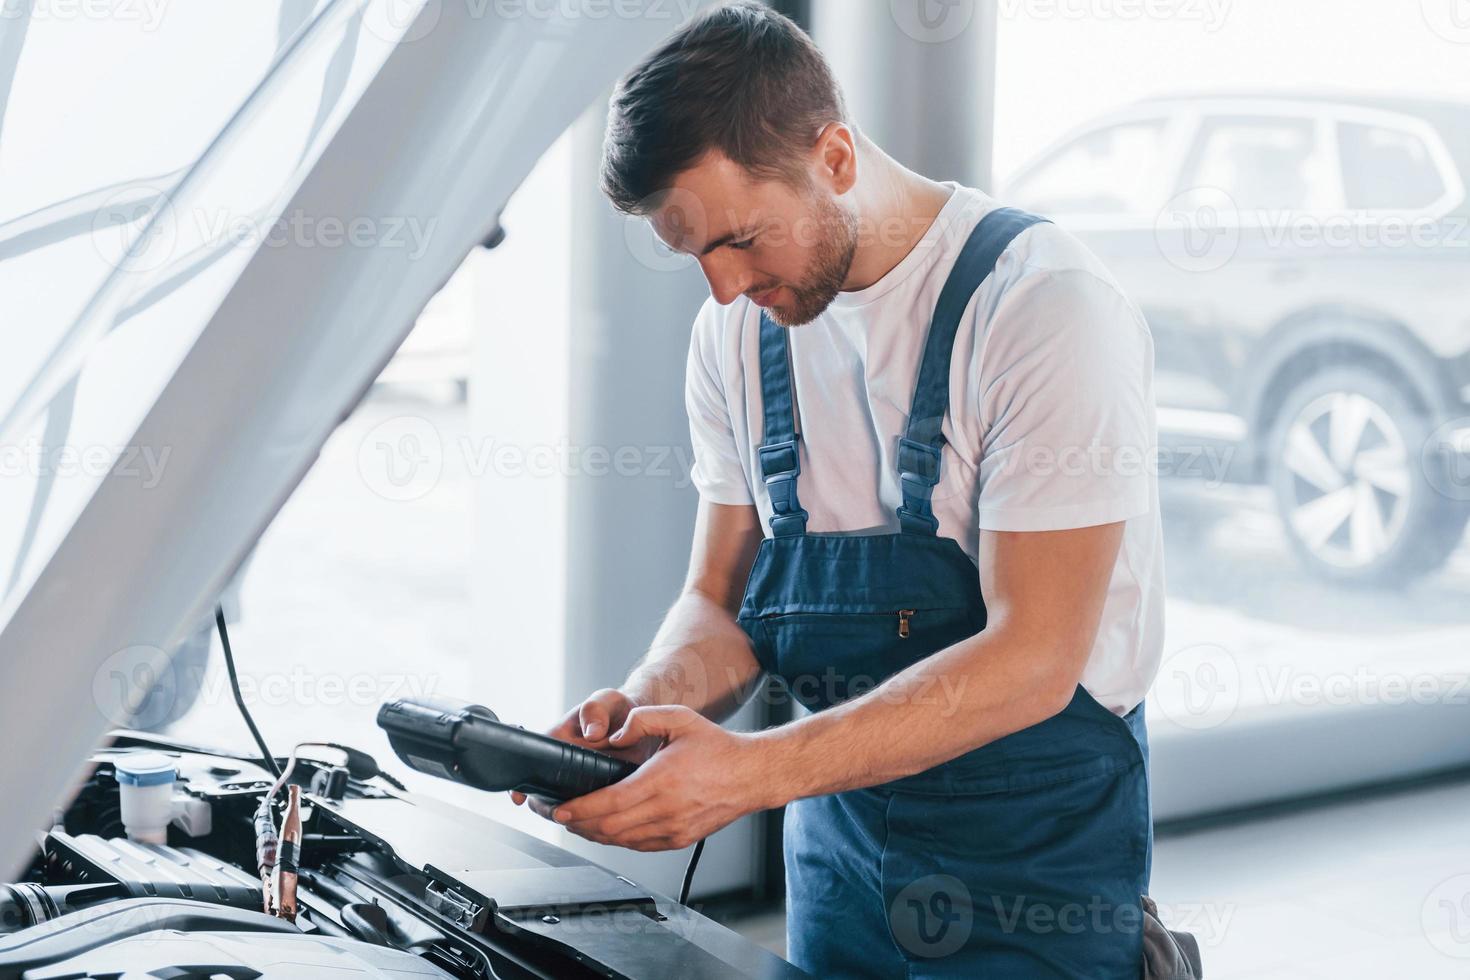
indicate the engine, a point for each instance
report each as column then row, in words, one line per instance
column 169, row 882
column 96, row 902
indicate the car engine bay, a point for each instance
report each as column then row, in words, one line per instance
column 387, row 883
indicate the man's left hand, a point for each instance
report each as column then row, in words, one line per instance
column 701, row 778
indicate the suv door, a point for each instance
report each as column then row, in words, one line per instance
column 1110, row 185
column 1246, row 177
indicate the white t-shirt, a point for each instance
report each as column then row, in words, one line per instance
column 1051, row 420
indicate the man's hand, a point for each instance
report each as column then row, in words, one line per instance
column 701, row 778
column 590, row 724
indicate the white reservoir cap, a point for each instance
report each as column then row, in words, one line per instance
column 144, row 769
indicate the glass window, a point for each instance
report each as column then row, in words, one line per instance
column 1107, row 171
column 1314, row 488
column 1264, row 164
column 1386, row 168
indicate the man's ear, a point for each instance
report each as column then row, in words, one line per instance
column 836, row 157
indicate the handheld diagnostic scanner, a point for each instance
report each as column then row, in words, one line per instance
column 469, row 744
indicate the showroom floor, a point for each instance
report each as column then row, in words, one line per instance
column 1363, row 889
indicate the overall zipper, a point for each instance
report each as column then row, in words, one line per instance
column 905, row 618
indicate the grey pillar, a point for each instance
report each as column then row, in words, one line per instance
column 629, row 530
column 919, row 76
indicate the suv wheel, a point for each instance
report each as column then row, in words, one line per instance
column 1350, row 489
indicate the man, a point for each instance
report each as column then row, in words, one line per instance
column 902, row 396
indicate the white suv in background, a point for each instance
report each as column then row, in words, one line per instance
column 1304, row 265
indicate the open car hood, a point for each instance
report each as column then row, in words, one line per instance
column 235, row 360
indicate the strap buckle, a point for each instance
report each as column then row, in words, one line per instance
column 918, row 475
column 779, row 458
column 911, row 523
column 918, row 462
column 780, row 464
column 785, row 525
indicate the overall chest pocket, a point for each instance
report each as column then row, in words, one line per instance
column 824, row 658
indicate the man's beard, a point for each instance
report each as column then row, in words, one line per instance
column 832, row 256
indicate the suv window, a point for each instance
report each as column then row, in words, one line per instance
column 1106, row 171
column 1263, row 163
column 1386, row 168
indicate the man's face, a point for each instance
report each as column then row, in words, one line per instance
column 788, row 248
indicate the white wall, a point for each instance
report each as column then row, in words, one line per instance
column 518, row 412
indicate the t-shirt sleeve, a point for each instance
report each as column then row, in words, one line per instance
column 717, row 471
column 1065, row 393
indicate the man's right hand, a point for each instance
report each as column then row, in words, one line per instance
column 593, row 722
column 715, row 680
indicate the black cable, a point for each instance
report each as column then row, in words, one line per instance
column 689, row 872
column 224, row 639
column 364, row 767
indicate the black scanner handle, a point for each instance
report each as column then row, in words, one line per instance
column 504, row 757
column 468, row 744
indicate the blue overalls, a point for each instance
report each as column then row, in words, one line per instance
column 1025, row 858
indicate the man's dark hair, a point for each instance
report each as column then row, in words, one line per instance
column 741, row 79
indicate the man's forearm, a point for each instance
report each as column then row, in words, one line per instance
column 1044, row 601
column 959, row 699
column 700, row 659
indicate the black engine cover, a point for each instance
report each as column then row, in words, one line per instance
column 136, row 870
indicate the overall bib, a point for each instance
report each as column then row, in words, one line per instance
column 1025, row 858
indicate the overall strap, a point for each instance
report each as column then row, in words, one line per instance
column 780, row 462
column 921, row 448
